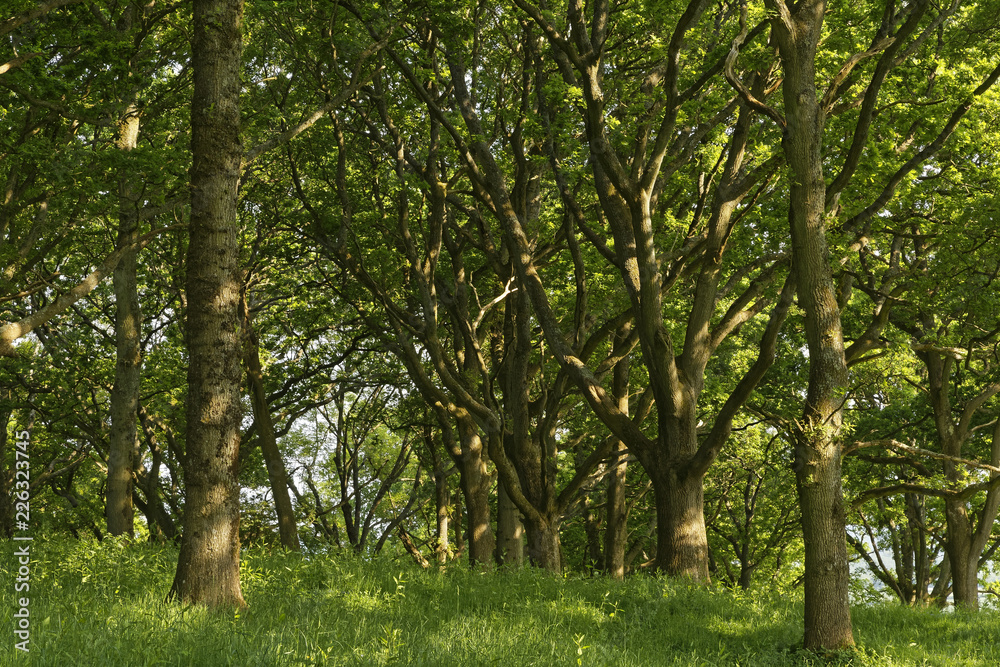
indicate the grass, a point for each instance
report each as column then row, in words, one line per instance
column 102, row 605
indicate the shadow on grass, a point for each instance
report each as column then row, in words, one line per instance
column 103, row 605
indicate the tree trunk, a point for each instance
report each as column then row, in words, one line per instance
column 208, row 570
column 457, row 522
column 276, row 473
column 123, row 452
column 523, row 444
column 967, row 534
column 475, row 483
column 681, row 538
column 441, row 499
column 161, row 524
column 592, row 528
column 827, row 610
column 543, row 547
column 939, row 593
column 964, row 563
column 615, row 530
column 817, row 446
column 510, row 530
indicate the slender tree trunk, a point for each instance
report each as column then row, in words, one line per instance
column 208, row 570
column 523, row 447
column 161, row 525
column 123, row 452
column 615, row 531
column 457, row 521
column 746, row 574
column 939, row 593
column 916, row 526
column 276, row 473
column 441, row 530
column 817, row 446
column 592, row 527
column 616, row 527
column 441, row 498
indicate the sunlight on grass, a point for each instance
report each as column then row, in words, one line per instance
column 102, row 604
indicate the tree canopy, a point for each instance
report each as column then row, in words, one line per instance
column 706, row 288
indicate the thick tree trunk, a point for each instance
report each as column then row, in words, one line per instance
column 510, row 530
column 681, row 538
column 817, row 446
column 276, row 473
column 827, row 608
column 208, row 570
column 475, row 482
column 965, row 563
column 123, row 452
column 542, row 545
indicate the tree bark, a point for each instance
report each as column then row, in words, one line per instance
column 967, row 533
column 208, row 569
column 457, row 523
column 543, row 545
column 441, row 498
column 160, row 522
column 616, row 526
column 475, row 481
column 276, row 474
column 123, row 450
column 615, row 531
column 817, row 444
column 681, row 538
column 510, row 530
column 523, row 444
column 965, row 563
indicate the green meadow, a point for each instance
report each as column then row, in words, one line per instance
column 103, row 604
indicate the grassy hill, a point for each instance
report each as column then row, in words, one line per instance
column 102, row 605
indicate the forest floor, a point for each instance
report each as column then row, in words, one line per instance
column 102, row 605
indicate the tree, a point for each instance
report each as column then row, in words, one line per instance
column 208, row 566
column 817, row 448
column 276, row 473
column 813, row 203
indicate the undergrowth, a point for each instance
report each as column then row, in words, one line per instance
column 103, row 605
